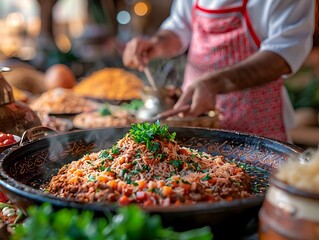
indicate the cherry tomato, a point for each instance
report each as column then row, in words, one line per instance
column 10, row 136
column 3, row 137
column 6, row 139
column 8, row 142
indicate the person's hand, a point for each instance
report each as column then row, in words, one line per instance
column 201, row 96
column 138, row 52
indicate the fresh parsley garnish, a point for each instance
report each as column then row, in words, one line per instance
column 104, row 110
column 132, row 222
column 206, row 178
column 147, row 132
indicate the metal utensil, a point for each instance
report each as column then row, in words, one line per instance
column 150, row 78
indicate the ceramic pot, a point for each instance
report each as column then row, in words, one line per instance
column 288, row 213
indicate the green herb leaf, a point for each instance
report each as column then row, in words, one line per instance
column 147, row 132
column 69, row 224
column 206, row 178
column 104, row 110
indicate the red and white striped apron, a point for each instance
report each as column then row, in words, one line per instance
column 223, row 37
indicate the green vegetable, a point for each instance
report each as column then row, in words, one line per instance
column 105, row 110
column 206, row 178
column 134, row 105
column 303, row 88
column 129, row 223
column 147, row 132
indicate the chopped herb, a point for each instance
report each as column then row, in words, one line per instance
column 91, row 178
column 135, row 184
column 123, row 171
column 178, row 164
column 115, row 150
column 108, row 169
column 104, row 154
column 186, row 182
column 146, row 167
column 206, row 178
column 162, row 156
column 136, row 171
column 104, row 110
column 155, row 147
column 134, row 105
column 101, row 168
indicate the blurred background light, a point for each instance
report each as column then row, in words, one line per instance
column 123, row 17
column 141, row 9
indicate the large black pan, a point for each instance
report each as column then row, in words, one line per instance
column 25, row 168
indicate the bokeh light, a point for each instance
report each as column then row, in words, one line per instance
column 141, row 9
column 123, row 17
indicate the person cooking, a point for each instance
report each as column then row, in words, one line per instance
column 238, row 53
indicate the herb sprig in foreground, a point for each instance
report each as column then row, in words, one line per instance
column 68, row 224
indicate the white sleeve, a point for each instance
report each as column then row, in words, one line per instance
column 179, row 21
column 290, row 30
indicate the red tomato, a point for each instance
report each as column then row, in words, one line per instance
column 3, row 137
column 6, row 139
column 141, row 195
column 124, row 200
column 10, row 136
column 8, row 142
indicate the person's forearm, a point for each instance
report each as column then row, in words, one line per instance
column 261, row 68
column 168, row 44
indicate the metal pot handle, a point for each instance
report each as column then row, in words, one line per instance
column 36, row 133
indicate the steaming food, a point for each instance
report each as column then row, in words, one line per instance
column 148, row 167
column 302, row 175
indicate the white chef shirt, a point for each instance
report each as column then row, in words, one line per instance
column 283, row 26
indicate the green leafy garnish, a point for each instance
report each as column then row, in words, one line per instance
column 92, row 178
column 115, row 150
column 105, row 110
column 70, row 224
column 147, row 132
column 134, row 105
column 177, row 163
column 206, row 178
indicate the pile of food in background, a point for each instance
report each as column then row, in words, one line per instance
column 109, row 97
column 302, row 175
column 110, row 84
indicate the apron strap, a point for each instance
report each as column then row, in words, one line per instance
column 245, row 4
